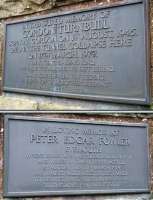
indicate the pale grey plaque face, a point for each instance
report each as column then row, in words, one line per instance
column 74, row 157
column 99, row 54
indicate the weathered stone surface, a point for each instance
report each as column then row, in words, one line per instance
column 19, row 7
column 10, row 8
column 7, row 103
column 57, row 103
column 38, row 1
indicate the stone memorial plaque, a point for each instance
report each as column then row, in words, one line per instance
column 98, row 54
column 47, row 157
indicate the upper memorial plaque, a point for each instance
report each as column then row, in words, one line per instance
column 47, row 157
column 98, row 54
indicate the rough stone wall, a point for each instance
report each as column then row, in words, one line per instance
column 20, row 9
column 115, row 118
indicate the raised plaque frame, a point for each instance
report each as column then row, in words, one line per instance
column 70, row 192
column 146, row 100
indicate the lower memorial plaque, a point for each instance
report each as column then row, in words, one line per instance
column 99, row 54
column 66, row 157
